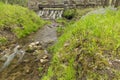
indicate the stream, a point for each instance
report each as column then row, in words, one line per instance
column 35, row 61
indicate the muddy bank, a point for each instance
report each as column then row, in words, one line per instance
column 32, row 67
column 36, row 59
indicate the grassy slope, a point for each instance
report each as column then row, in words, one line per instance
column 20, row 20
column 66, row 23
column 86, row 49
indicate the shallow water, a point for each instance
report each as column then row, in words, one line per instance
column 28, row 68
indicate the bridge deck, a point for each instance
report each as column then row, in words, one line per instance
column 53, row 8
column 41, row 6
column 50, row 6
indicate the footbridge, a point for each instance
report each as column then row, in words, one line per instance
column 55, row 11
column 51, row 13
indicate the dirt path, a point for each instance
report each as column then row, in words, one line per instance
column 36, row 60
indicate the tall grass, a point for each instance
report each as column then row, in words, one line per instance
column 92, row 42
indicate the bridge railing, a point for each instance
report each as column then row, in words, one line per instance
column 51, row 13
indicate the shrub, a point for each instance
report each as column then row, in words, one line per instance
column 69, row 13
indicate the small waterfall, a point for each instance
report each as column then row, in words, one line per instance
column 60, row 14
column 41, row 13
column 54, row 15
column 46, row 13
column 51, row 13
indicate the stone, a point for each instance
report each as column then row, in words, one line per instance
column 43, row 61
column 26, row 60
column 66, row 44
column 45, row 57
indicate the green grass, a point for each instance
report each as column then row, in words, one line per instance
column 92, row 42
column 20, row 20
